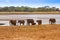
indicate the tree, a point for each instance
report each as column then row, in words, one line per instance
column 11, row 8
column 28, row 9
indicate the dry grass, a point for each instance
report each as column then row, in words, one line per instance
column 29, row 13
column 37, row 32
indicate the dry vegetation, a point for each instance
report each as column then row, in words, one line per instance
column 4, row 13
column 37, row 32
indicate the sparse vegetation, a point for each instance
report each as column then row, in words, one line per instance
column 28, row 9
column 36, row 32
column 7, row 13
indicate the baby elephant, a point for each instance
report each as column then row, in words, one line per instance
column 21, row 22
column 39, row 22
column 33, row 23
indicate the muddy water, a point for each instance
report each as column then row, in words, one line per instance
column 44, row 17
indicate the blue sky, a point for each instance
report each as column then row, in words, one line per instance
column 31, row 3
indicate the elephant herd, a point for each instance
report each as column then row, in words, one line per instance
column 31, row 21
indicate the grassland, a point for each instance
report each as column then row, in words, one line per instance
column 36, row 32
column 29, row 12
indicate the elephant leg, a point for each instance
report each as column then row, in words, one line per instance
column 51, row 22
column 54, row 22
column 28, row 23
column 39, row 24
column 20, row 24
column 14, row 24
column 23, row 23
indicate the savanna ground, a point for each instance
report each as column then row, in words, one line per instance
column 52, row 12
column 36, row 32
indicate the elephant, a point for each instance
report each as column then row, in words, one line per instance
column 39, row 22
column 13, row 22
column 30, row 21
column 52, row 20
column 21, row 22
column 33, row 23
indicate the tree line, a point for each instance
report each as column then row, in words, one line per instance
column 28, row 9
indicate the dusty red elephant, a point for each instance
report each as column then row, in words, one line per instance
column 39, row 22
column 30, row 21
column 21, row 22
column 13, row 22
column 52, row 20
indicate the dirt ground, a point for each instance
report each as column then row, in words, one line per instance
column 36, row 32
column 7, row 13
